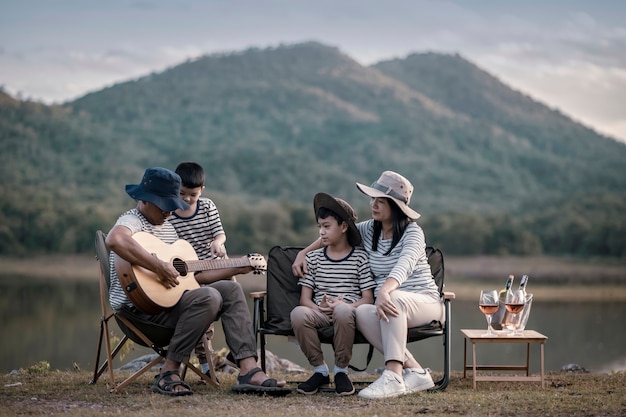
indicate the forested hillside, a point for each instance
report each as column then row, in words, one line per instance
column 494, row 170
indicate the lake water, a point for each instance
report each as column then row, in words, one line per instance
column 59, row 323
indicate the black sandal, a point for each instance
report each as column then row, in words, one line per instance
column 169, row 384
column 269, row 386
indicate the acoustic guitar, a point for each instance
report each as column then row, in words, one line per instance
column 145, row 290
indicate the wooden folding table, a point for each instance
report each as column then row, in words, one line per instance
column 528, row 336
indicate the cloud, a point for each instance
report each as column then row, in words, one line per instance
column 578, row 66
column 567, row 54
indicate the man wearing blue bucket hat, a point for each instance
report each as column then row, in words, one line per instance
column 157, row 196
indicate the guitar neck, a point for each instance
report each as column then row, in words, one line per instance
column 210, row 264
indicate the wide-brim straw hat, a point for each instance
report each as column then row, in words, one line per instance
column 394, row 186
column 343, row 210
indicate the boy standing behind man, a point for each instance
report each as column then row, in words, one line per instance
column 338, row 279
column 201, row 226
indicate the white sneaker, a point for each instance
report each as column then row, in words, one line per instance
column 388, row 385
column 416, row 379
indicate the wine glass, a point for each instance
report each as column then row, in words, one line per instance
column 488, row 303
column 514, row 303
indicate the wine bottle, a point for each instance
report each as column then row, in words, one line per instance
column 507, row 288
column 523, row 317
column 522, row 284
column 498, row 319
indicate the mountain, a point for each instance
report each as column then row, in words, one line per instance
column 274, row 126
column 258, row 114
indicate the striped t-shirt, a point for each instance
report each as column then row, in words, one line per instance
column 407, row 263
column 136, row 222
column 201, row 228
column 347, row 277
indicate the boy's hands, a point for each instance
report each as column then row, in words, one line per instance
column 218, row 249
column 328, row 304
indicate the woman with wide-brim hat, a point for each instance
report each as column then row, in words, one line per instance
column 406, row 294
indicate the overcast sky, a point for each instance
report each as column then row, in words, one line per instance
column 568, row 54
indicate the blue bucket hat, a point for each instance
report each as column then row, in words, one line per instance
column 161, row 187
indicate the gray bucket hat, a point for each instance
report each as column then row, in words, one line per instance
column 395, row 186
column 161, row 187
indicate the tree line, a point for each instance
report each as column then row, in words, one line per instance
column 62, row 224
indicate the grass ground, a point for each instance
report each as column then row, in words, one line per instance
column 43, row 392
column 68, row 393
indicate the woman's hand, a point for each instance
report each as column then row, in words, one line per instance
column 299, row 264
column 384, row 306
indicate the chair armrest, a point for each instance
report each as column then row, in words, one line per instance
column 258, row 294
column 448, row 295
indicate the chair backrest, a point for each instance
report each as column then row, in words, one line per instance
column 283, row 292
column 435, row 260
column 159, row 335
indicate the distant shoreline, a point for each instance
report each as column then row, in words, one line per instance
column 551, row 278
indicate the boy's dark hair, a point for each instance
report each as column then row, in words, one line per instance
column 191, row 174
column 323, row 213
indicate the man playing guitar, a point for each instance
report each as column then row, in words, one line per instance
column 157, row 196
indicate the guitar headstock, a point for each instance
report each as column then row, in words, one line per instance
column 258, row 262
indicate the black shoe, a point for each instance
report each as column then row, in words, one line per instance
column 343, row 385
column 311, row 385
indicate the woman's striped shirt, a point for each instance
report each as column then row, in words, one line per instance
column 407, row 263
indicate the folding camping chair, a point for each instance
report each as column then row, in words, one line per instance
column 135, row 329
column 272, row 308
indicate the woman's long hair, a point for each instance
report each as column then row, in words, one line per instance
column 400, row 221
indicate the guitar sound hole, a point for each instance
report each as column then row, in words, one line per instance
column 180, row 266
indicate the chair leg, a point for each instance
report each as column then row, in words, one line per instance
column 96, row 373
column 202, row 376
column 110, row 354
column 209, row 351
column 262, row 344
column 207, row 346
column 441, row 384
column 137, row 374
column 105, row 365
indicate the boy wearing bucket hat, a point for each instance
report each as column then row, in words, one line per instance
column 338, row 280
column 157, row 196
column 406, row 294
